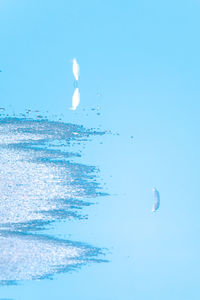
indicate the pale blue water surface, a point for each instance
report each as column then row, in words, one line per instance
column 76, row 186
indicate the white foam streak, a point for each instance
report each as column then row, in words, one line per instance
column 28, row 257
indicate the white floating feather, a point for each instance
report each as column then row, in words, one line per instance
column 156, row 204
column 75, row 99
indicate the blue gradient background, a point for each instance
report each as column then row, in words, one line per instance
column 143, row 58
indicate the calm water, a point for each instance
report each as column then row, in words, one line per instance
column 76, row 186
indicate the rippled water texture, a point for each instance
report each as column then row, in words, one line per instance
column 38, row 185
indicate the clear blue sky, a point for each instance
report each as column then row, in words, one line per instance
column 144, row 59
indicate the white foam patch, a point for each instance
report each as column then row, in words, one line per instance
column 39, row 184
